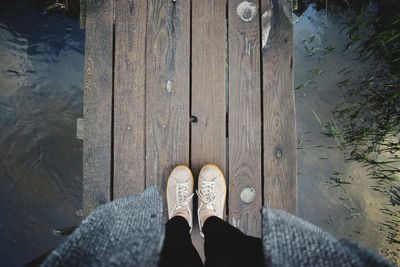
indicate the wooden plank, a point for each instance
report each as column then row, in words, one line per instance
column 97, row 104
column 208, row 84
column 82, row 14
column 244, row 116
column 79, row 129
column 167, row 88
column 129, row 97
column 208, row 139
column 280, row 182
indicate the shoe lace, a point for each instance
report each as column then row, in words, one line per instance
column 182, row 198
column 207, row 192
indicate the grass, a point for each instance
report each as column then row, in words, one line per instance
column 395, row 196
column 331, row 129
column 370, row 119
column 374, row 119
column 335, row 180
column 312, row 46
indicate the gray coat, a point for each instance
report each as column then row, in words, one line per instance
column 130, row 232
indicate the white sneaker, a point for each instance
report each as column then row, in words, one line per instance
column 211, row 192
column 180, row 192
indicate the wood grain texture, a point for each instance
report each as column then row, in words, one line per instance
column 97, row 104
column 208, row 84
column 167, row 89
column 79, row 129
column 244, row 115
column 280, row 182
column 129, row 97
column 208, row 139
column 82, row 13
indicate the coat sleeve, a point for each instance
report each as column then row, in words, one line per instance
column 125, row 232
column 291, row 241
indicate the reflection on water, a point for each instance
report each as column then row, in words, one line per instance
column 41, row 160
column 41, row 97
column 334, row 192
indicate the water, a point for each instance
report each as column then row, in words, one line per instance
column 41, row 160
column 41, row 96
column 352, row 210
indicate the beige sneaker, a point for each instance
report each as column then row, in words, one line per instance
column 180, row 193
column 211, row 192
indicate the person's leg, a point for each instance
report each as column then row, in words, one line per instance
column 226, row 245
column 178, row 249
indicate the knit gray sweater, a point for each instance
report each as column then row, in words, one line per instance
column 130, row 232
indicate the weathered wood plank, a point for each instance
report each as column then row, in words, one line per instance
column 244, row 116
column 97, row 104
column 208, row 84
column 280, row 182
column 79, row 129
column 167, row 88
column 208, row 140
column 129, row 97
column 82, row 14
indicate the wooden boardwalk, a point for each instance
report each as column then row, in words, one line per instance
column 172, row 82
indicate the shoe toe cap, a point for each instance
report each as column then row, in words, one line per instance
column 209, row 172
column 182, row 173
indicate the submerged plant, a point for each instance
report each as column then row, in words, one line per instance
column 370, row 117
column 371, row 120
column 331, row 129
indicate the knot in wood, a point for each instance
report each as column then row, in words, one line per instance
column 246, row 11
column 169, row 86
column 248, row 194
column 278, row 153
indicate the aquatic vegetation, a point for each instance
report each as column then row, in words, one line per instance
column 335, row 180
column 353, row 212
column 395, row 195
column 368, row 123
column 374, row 116
column 331, row 129
column 313, row 47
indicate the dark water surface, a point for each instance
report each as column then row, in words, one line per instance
column 41, row 96
column 41, row 80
